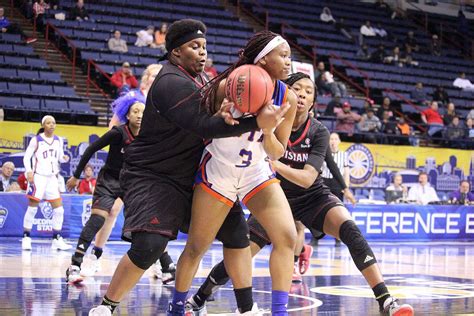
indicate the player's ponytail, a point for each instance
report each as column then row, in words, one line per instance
column 41, row 130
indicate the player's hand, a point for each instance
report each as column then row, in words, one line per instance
column 225, row 113
column 30, row 177
column 270, row 116
column 71, row 183
column 349, row 196
column 65, row 158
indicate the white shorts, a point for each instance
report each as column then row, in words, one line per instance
column 227, row 183
column 44, row 188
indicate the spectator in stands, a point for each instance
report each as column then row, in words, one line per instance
column 346, row 120
column 363, row 52
column 386, row 107
column 341, row 27
column 440, row 95
column 433, row 119
column 378, row 55
column 326, row 16
column 463, row 83
column 160, row 36
column 406, row 132
column 463, row 196
column 435, row 46
column 87, row 185
column 380, row 31
column 389, row 125
column 419, row 94
column 209, row 68
column 411, row 42
column 79, row 12
column 39, row 9
column 368, row 104
column 145, row 37
column 470, row 133
column 371, row 125
column 13, row 28
column 6, row 176
column 450, row 114
column 422, row 192
column 397, row 186
column 455, row 133
column 395, row 58
column 366, row 30
column 408, row 59
column 326, row 84
column 116, row 44
column 470, row 115
column 124, row 79
column 331, row 107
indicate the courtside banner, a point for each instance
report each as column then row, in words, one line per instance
column 414, row 222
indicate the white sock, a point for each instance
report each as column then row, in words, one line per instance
column 29, row 217
column 58, row 218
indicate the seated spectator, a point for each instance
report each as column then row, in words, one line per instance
column 419, row 94
column 440, row 95
column 160, row 36
column 386, row 107
column 379, row 55
column 326, row 84
column 116, row 44
column 433, row 119
column 408, row 59
column 370, row 124
column 14, row 187
column 450, row 114
column 366, row 30
column 455, row 133
column 363, row 52
column 124, row 79
column 79, row 12
column 406, row 133
column 346, row 119
column 368, row 104
column 209, row 68
column 463, row 83
column 435, row 46
column 39, row 9
column 326, row 16
column 463, row 196
column 389, row 125
column 470, row 129
column 145, row 37
column 13, row 28
column 395, row 58
column 422, row 192
column 470, row 115
column 396, row 191
column 334, row 104
column 411, row 42
column 6, row 176
column 341, row 27
column 87, row 185
column 380, row 31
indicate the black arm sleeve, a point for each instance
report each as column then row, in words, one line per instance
column 332, row 166
column 111, row 137
column 178, row 100
column 318, row 150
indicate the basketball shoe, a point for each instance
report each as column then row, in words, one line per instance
column 296, row 274
column 60, row 244
column 73, row 275
column 392, row 308
column 26, row 243
column 192, row 308
column 100, row 310
column 255, row 311
column 304, row 259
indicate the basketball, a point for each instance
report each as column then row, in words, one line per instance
column 249, row 87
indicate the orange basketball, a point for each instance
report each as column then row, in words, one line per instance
column 249, row 87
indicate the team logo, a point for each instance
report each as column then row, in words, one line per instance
column 307, row 141
column 3, row 216
column 86, row 211
column 361, row 163
column 46, row 210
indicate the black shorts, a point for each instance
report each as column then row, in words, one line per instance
column 107, row 190
column 311, row 210
column 334, row 186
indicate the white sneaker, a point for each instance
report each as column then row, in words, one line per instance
column 156, row 270
column 73, row 275
column 255, row 311
column 100, row 310
column 26, row 243
column 90, row 266
column 60, row 244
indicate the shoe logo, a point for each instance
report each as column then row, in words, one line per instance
column 368, row 258
column 154, row 221
column 81, row 246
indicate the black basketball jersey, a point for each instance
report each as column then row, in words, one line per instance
column 308, row 145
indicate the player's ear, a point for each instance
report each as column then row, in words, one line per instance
column 262, row 61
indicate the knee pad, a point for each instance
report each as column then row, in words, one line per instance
column 358, row 247
column 234, row 232
column 146, row 249
column 29, row 217
column 92, row 227
column 260, row 241
column 58, row 218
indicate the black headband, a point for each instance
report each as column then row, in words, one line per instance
column 184, row 39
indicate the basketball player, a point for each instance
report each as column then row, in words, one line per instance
column 312, row 203
column 128, row 108
column 47, row 150
column 235, row 168
column 160, row 165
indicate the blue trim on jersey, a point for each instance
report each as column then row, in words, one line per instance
column 279, row 93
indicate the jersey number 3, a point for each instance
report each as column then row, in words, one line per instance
column 247, row 154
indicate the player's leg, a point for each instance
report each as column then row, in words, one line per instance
column 338, row 223
column 28, row 223
column 104, row 233
column 270, row 207
column 58, row 219
column 297, row 251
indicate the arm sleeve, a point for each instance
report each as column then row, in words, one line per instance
column 29, row 154
column 61, row 150
column 332, row 166
column 111, row 137
column 178, row 100
column 317, row 155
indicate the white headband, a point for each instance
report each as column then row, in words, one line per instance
column 47, row 117
column 269, row 47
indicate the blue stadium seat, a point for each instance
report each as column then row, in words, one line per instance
column 50, row 76
column 28, row 74
column 10, row 102
column 8, row 73
column 35, row 62
column 3, row 86
column 31, row 104
column 23, row 49
column 56, row 105
column 19, row 87
column 80, row 107
column 14, row 61
column 42, row 89
column 64, row 91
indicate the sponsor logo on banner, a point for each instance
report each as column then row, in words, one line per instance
column 3, row 216
column 86, row 211
column 361, row 163
column 44, row 224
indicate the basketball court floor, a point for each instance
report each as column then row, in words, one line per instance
column 436, row 278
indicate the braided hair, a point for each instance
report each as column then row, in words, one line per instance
column 246, row 56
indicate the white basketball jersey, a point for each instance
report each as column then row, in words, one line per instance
column 45, row 154
column 246, row 149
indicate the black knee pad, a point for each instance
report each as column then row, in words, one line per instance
column 92, row 227
column 358, row 247
column 234, row 232
column 260, row 241
column 146, row 249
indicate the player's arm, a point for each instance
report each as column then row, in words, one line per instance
column 62, row 157
column 274, row 142
column 30, row 150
